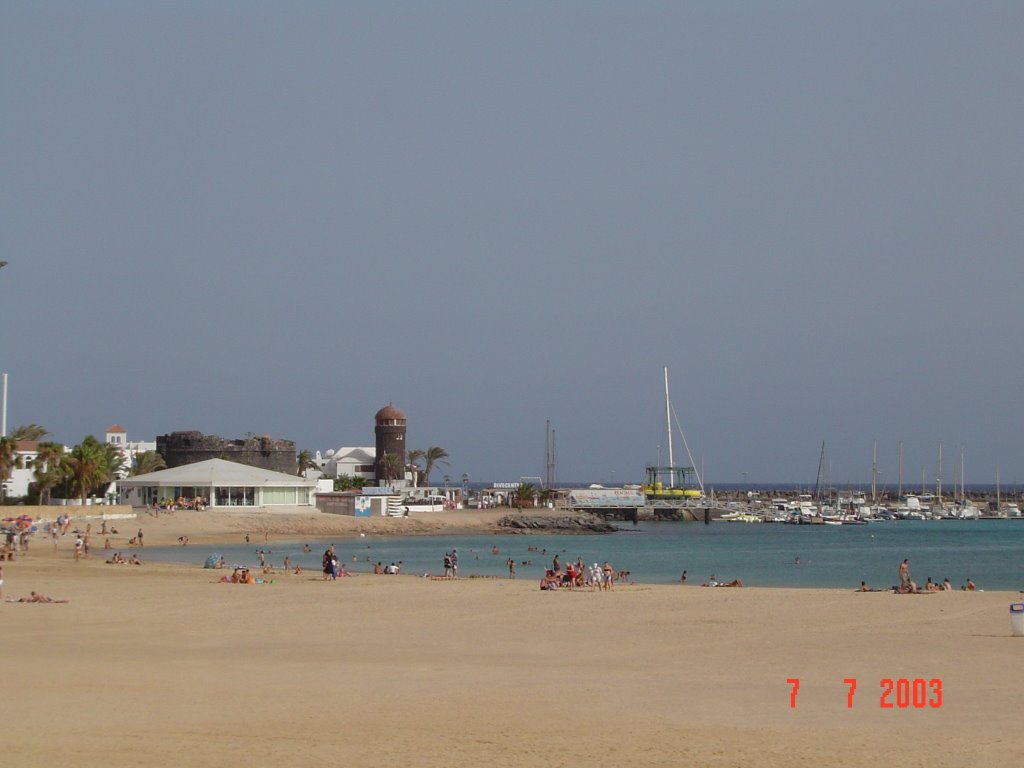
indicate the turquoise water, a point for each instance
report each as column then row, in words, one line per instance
column 990, row 552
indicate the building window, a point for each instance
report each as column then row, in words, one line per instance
column 235, row 497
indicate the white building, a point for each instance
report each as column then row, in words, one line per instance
column 117, row 435
column 221, row 483
column 23, row 473
column 356, row 462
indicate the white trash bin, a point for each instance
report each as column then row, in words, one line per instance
column 1017, row 619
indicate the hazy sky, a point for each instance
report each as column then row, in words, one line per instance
column 279, row 217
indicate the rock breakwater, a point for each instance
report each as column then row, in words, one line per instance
column 555, row 524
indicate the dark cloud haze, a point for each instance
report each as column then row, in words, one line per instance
column 279, row 217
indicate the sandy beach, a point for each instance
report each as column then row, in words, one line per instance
column 161, row 665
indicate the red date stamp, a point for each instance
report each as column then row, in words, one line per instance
column 895, row 694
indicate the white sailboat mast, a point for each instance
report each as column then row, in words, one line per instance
column 668, row 429
column 899, row 491
column 963, row 493
column 874, row 471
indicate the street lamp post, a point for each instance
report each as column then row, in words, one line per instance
column 3, row 417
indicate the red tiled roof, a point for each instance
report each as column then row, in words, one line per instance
column 116, row 428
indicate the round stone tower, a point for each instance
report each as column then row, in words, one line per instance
column 390, row 432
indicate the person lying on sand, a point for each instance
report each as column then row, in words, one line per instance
column 910, row 588
column 36, row 597
column 865, row 588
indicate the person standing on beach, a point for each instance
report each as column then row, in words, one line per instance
column 904, row 573
column 327, row 562
column 511, row 568
column 140, row 538
column 455, row 563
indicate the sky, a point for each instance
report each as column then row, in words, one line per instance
column 277, row 218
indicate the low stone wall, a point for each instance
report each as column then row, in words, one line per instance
column 75, row 511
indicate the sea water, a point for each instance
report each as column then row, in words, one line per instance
column 989, row 552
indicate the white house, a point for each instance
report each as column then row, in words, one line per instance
column 23, row 473
column 357, row 462
column 117, row 435
column 221, row 483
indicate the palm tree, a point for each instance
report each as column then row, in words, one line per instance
column 146, row 462
column 414, row 457
column 391, row 467
column 30, row 432
column 525, row 494
column 116, row 462
column 87, row 466
column 9, row 459
column 433, row 455
column 47, row 466
column 306, row 461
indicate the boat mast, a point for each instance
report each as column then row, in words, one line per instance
column 668, row 429
column 938, row 477
column 899, row 493
column 874, row 472
column 963, row 493
column 821, row 468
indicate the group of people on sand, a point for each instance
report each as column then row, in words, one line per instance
column 908, row 586
column 450, row 563
column 14, row 542
column 379, row 568
column 119, row 559
column 713, row 582
column 329, row 565
column 241, row 576
column 577, row 576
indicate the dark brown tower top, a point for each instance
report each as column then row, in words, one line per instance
column 390, row 415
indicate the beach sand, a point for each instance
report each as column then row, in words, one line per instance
column 159, row 665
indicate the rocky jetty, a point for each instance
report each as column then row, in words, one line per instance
column 555, row 524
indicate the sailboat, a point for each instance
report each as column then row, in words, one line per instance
column 672, row 485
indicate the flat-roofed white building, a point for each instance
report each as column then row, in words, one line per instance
column 221, row 483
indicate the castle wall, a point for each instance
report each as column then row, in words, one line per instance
column 180, row 448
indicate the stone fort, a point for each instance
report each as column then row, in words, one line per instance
column 179, row 448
